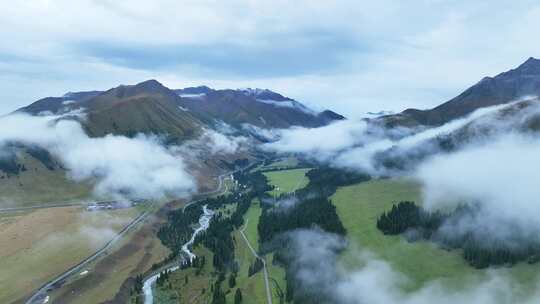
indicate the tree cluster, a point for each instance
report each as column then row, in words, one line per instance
column 313, row 208
column 255, row 267
column 479, row 249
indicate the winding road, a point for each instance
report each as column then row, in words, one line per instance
column 41, row 295
column 265, row 271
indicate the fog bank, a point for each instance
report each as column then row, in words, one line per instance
column 135, row 167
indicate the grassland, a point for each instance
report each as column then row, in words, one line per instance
column 286, row 162
column 360, row 205
column 253, row 289
column 39, row 245
column 39, row 185
column 287, row 180
column 133, row 254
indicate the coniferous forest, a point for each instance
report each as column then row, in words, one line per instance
column 449, row 230
column 312, row 209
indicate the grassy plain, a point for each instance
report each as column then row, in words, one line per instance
column 360, row 205
column 132, row 255
column 253, row 289
column 36, row 246
column 287, row 180
column 38, row 185
column 286, row 162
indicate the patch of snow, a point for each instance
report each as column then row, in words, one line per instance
column 253, row 92
column 69, row 101
column 199, row 95
column 288, row 104
column 83, row 272
column 378, row 114
column 183, row 109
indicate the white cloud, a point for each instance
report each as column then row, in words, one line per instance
column 215, row 142
column 321, row 142
column 390, row 55
column 354, row 144
column 318, row 271
column 138, row 167
column 500, row 175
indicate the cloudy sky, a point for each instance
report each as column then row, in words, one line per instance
column 350, row 56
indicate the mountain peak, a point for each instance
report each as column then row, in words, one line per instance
column 531, row 65
column 150, row 84
column 193, row 91
column 264, row 94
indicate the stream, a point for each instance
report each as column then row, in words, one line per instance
column 204, row 222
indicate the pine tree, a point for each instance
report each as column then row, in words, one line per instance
column 232, row 280
column 238, row 296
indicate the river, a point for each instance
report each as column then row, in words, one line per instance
column 204, row 222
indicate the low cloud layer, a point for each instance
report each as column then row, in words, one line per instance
column 376, row 282
column 354, row 144
column 136, row 167
column 501, row 176
column 494, row 167
column 320, row 142
column 213, row 142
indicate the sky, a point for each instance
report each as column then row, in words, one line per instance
column 349, row 56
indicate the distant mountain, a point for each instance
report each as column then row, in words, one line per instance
column 193, row 91
column 56, row 104
column 150, row 107
column 260, row 107
column 503, row 88
column 147, row 107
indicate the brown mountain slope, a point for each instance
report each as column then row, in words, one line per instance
column 147, row 107
column 262, row 108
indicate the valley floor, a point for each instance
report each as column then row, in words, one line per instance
column 36, row 246
column 360, row 205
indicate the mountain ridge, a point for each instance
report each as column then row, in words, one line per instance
column 503, row 88
column 191, row 108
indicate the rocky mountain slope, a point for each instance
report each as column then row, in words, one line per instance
column 504, row 88
column 150, row 107
column 258, row 107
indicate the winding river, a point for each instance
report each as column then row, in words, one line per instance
column 204, row 222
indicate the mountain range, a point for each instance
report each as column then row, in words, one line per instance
column 180, row 115
column 150, row 107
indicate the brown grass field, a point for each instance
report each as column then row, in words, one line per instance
column 37, row 246
column 109, row 277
